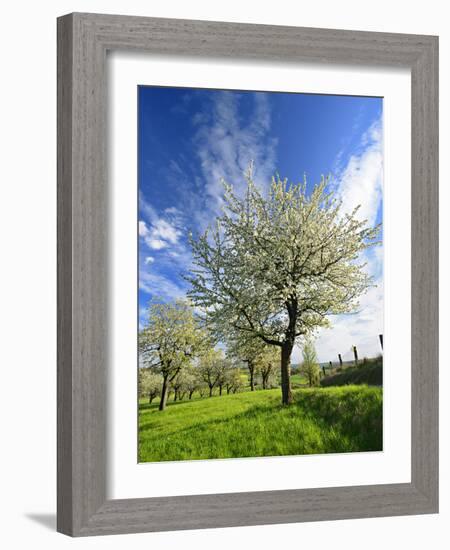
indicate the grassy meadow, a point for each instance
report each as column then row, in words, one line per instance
column 253, row 424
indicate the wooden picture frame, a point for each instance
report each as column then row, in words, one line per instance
column 83, row 40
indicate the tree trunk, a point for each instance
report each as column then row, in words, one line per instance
column 165, row 387
column 251, row 368
column 150, row 398
column 210, row 391
column 286, row 351
column 265, row 376
column 220, row 390
column 190, row 394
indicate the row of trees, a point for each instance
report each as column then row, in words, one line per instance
column 202, row 381
column 270, row 272
column 178, row 355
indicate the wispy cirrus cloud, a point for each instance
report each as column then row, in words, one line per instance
column 360, row 182
column 156, row 284
column 227, row 143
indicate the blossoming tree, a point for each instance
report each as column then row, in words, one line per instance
column 276, row 265
column 169, row 342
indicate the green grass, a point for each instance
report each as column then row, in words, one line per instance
column 298, row 380
column 251, row 424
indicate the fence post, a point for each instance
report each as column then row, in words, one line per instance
column 355, row 353
column 340, row 360
column 381, row 340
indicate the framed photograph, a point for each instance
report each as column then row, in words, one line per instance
column 247, row 274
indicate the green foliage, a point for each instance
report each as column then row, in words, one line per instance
column 298, row 380
column 331, row 420
column 234, row 380
column 310, row 366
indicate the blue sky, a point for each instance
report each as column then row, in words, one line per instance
column 189, row 139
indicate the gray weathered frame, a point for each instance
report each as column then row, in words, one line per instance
column 83, row 40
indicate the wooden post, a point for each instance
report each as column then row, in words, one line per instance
column 331, row 365
column 323, row 369
column 340, row 360
column 355, row 353
column 381, row 340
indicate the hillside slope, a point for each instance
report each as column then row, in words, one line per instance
column 370, row 374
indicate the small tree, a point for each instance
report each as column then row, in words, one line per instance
column 202, row 388
column 171, row 339
column 210, row 368
column 310, row 366
column 191, row 381
column 150, row 383
column 178, row 384
column 222, row 368
column 243, row 347
column 233, row 382
column 276, row 266
column 269, row 363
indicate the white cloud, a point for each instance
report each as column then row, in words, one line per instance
column 163, row 234
column 155, row 244
column 361, row 181
column 160, row 234
column 147, row 209
column 172, row 210
column 143, row 230
column 227, row 145
column 164, row 230
column 157, row 284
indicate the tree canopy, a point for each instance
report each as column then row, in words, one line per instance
column 275, row 266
